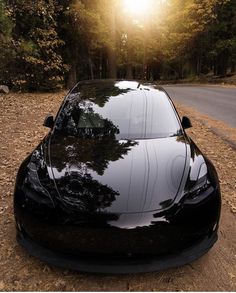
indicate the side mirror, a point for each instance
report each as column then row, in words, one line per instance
column 48, row 121
column 186, row 123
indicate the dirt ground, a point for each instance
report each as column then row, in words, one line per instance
column 21, row 117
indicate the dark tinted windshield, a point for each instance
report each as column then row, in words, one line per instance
column 118, row 111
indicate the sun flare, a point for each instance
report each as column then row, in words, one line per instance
column 137, row 7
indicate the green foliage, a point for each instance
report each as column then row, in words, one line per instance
column 37, row 63
column 6, row 44
column 222, row 33
column 5, row 21
column 38, row 45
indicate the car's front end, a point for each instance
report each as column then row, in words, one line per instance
column 112, row 242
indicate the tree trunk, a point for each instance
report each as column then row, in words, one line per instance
column 144, row 75
column 180, row 70
column 129, row 65
column 100, row 65
column 112, row 70
column 91, row 66
column 129, row 71
column 111, row 63
column 145, row 38
column 199, row 65
column 222, row 62
column 72, row 77
column 232, row 67
column 214, row 67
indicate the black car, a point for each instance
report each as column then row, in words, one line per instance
column 117, row 186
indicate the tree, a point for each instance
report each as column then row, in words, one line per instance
column 39, row 65
column 6, row 42
column 88, row 32
column 223, row 38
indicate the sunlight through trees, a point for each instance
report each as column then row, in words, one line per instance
column 58, row 42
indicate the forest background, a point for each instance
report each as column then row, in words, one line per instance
column 47, row 45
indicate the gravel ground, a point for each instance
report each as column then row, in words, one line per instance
column 21, row 117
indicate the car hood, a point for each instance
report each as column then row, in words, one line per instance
column 107, row 175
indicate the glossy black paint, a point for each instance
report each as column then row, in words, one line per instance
column 106, row 197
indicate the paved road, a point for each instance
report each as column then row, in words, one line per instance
column 215, row 101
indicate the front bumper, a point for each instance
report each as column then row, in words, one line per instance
column 116, row 266
column 126, row 243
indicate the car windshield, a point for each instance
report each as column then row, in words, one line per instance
column 124, row 114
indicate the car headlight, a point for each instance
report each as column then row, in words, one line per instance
column 33, row 187
column 199, row 189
